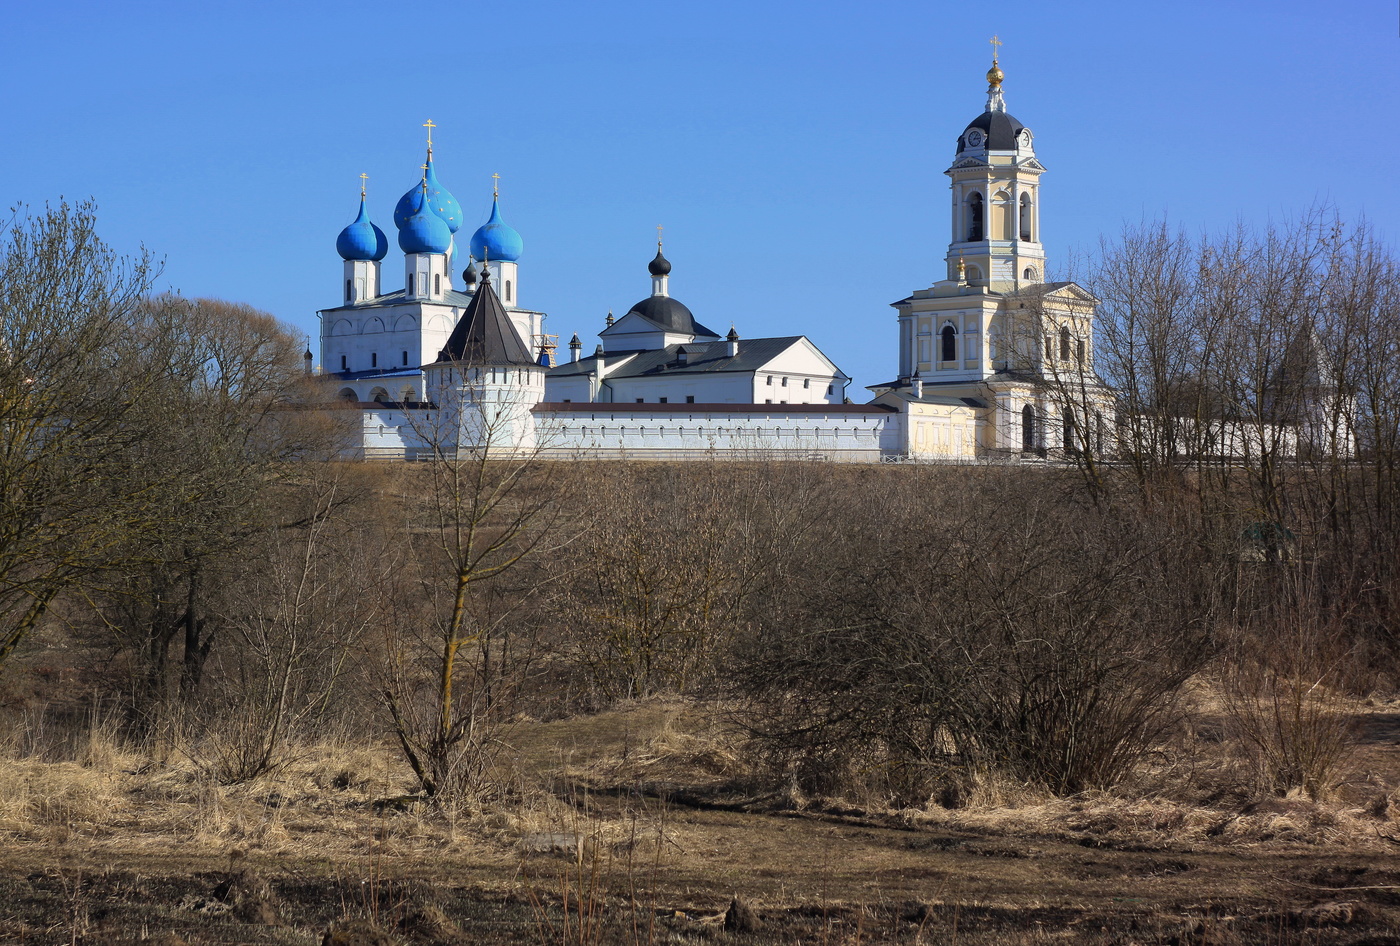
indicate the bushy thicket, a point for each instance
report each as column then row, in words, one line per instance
column 908, row 632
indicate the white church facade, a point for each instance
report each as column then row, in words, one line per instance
column 985, row 354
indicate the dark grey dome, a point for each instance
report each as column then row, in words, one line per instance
column 668, row 313
column 469, row 276
column 1000, row 128
column 660, row 266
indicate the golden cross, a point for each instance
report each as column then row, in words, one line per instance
column 430, row 126
column 364, row 178
column 495, row 185
column 996, row 43
column 658, row 238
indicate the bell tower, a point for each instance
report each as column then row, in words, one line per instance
column 995, row 213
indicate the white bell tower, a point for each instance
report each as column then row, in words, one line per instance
column 995, row 212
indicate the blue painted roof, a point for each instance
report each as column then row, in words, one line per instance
column 362, row 240
column 424, row 231
column 442, row 203
column 495, row 240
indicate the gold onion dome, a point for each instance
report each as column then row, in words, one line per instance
column 994, row 74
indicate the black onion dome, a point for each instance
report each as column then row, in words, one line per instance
column 667, row 313
column 1000, row 128
column 469, row 276
column 660, row 266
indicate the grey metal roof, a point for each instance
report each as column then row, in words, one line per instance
column 401, row 297
column 702, row 358
column 484, row 334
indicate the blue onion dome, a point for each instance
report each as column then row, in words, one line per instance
column 424, row 231
column 442, row 203
column 362, row 240
column 496, row 241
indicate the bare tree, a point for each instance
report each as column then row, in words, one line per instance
column 67, row 399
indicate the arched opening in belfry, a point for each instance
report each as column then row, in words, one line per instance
column 1064, row 343
column 1028, row 428
column 1003, row 224
column 949, row 344
column 974, row 217
column 1027, row 234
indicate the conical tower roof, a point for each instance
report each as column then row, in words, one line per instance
column 484, row 334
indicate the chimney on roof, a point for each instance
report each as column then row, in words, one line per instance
column 733, row 339
column 917, row 385
column 575, row 348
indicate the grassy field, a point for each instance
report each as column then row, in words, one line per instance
column 639, row 825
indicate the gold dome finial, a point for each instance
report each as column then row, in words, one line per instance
column 994, row 74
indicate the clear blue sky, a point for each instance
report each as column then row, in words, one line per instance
column 793, row 151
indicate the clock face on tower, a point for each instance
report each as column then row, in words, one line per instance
column 1025, row 138
column 974, row 138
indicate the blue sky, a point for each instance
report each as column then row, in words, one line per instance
column 793, row 152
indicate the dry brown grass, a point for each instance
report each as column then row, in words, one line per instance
column 650, row 803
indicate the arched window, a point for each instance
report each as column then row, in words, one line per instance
column 974, row 217
column 349, row 290
column 1028, row 428
column 1064, row 343
column 1079, row 350
column 1069, row 430
column 948, row 348
column 379, row 396
column 437, row 284
column 1026, row 218
column 348, row 394
column 1029, row 274
column 972, row 274
column 507, row 290
column 409, row 287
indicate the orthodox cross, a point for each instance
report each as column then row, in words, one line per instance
column 495, row 185
column 364, row 178
column 996, row 44
column 430, row 126
column 658, row 237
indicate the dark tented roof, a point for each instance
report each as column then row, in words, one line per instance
column 701, row 358
column 484, row 334
column 999, row 127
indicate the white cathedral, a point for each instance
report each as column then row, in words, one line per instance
column 442, row 366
